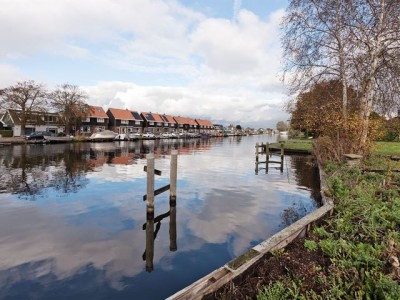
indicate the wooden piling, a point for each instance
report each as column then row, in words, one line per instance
column 150, row 183
column 173, row 174
column 282, row 156
column 172, row 226
column 257, row 146
column 149, row 242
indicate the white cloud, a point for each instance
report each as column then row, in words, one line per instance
column 9, row 74
column 239, row 106
column 225, row 70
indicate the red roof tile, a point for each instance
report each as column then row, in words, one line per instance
column 121, row 114
column 156, row 117
column 97, row 112
column 204, row 122
column 182, row 120
column 170, row 119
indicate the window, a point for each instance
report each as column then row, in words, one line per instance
column 124, row 122
column 86, row 119
column 181, row 125
column 137, row 122
column 151, row 123
column 85, row 129
column 100, row 120
column 166, row 124
column 159, row 123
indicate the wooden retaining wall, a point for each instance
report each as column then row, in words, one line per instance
column 237, row 266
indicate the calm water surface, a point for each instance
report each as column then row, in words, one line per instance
column 73, row 219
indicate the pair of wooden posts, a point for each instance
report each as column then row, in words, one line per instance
column 265, row 149
column 149, row 197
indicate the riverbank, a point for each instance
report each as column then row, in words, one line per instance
column 378, row 148
column 353, row 254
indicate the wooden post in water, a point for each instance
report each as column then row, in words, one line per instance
column 172, row 226
column 150, row 183
column 282, row 156
column 149, row 241
column 257, row 146
column 173, row 175
column 257, row 158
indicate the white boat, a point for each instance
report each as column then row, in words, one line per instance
column 106, row 135
column 283, row 133
column 121, row 137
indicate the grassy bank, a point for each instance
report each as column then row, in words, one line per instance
column 361, row 240
column 353, row 254
column 379, row 148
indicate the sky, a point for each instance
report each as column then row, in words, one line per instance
column 219, row 60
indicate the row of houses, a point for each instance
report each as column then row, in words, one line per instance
column 115, row 119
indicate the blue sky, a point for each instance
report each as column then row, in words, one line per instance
column 213, row 59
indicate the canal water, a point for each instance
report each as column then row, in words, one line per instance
column 73, row 219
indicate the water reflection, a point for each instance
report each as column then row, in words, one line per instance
column 83, row 236
column 28, row 170
column 151, row 234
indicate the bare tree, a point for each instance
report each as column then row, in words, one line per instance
column 69, row 101
column 315, row 42
column 353, row 41
column 375, row 29
column 28, row 97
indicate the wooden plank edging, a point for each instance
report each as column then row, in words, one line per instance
column 216, row 279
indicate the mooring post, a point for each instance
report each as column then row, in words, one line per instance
column 282, row 155
column 173, row 175
column 172, row 226
column 149, row 242
column 257, row 152
column 267, row 154
column 150, row 183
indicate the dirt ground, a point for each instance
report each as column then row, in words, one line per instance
column 295, row 262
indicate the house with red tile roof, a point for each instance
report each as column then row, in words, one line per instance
column 169, row 124
column 152, row 122
column 124, row 121
column 186, row 124
column 95, row 120
column 205, row 126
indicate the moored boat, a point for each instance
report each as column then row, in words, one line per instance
column 106, row 135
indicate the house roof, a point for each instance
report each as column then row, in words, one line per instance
column 170, row 119
column 15, row 116
column 204, row 122
column 136, row 115
column 152, row 117
column 183, row 121
column 121, row 114
column 97, row 112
